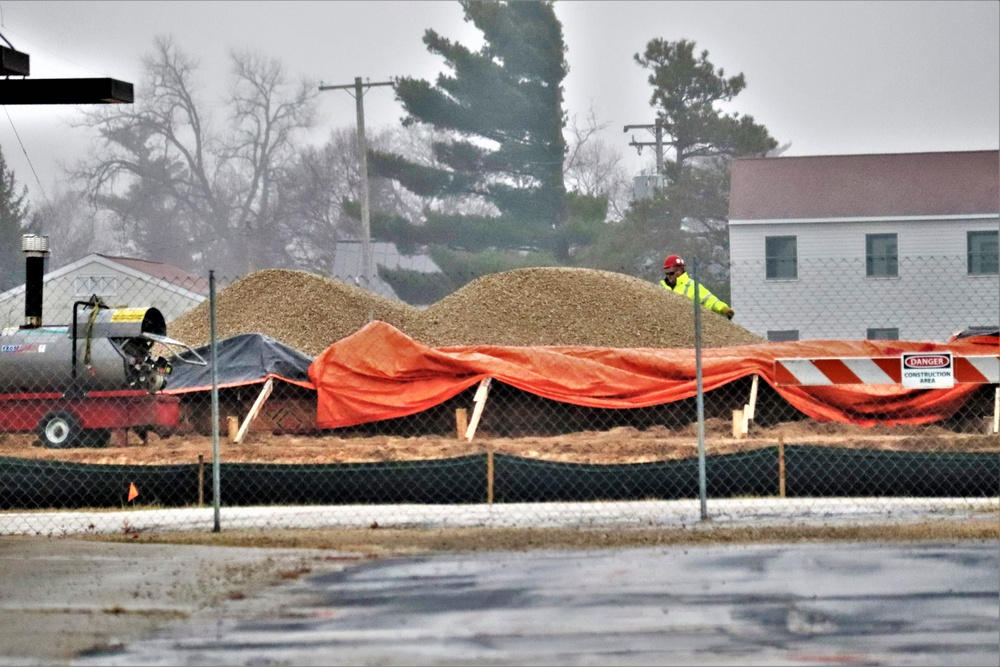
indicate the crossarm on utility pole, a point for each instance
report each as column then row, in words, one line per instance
column 657, row 130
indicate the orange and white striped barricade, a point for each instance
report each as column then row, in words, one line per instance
column 885, row 371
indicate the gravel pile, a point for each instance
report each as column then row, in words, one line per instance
column 524, row 307
column 570, row 306
column 302, row 310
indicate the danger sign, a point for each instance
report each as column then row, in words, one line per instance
column 928, row 370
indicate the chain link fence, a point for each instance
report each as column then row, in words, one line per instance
column 531, row 398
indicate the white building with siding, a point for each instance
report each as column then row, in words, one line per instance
column 891, row 246
column 118, row 281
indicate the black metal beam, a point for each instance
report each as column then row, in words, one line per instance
column 14, row 63
column 65, row 91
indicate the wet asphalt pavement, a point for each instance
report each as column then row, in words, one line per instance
column 805, row 604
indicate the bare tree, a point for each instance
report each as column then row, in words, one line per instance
column 174, row 179
column 76, row 228
column 594, row 168
column 315, row 188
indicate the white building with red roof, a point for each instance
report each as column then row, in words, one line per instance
column 890, row 246
column 118, row 281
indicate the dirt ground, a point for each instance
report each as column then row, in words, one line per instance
column 381, row 542
column 617, row 445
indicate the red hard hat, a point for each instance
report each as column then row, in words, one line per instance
column 672, row 260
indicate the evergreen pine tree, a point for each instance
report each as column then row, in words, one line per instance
column 503, row 106
column 13, row 213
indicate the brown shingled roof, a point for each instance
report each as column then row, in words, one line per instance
column 836, row 186
column 165, row 272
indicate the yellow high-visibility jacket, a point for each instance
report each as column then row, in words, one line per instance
column 685, row 286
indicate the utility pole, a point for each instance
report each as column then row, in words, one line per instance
column 657, row 130
column 366, row 232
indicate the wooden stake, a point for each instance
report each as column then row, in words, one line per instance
column 750, row 408
column 781, row 466
column 255, row 410
column 996, row 411
column 234, row 427
column 737, row 424
column 477, row 411
column 461, row 422
column 753, row 397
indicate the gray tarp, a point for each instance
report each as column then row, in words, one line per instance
column 243, row 359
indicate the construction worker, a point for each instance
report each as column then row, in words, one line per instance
column 676, row 279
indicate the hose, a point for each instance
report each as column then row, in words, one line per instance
column 97, row 305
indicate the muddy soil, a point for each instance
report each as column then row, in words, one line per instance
column 617, row 445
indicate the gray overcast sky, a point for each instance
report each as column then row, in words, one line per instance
column 827, row 77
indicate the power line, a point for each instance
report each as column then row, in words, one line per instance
column 25, row 151
column 18, row 136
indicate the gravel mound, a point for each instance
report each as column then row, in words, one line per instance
column 524, row 307
column 570, row 306
column 303, row 310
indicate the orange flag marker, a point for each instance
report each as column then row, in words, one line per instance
column 132, row 492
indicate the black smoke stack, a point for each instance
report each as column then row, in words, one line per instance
column 35, row 248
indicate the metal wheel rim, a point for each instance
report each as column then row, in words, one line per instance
column 57, row 431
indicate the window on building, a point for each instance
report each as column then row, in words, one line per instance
column 782, row 335
column 984, row 253
column 781, row 257
column 883, row 333
column 881, row 258
column 100, row 285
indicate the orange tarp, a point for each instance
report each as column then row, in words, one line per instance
column 380, row 373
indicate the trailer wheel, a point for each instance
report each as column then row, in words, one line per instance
column 59, row 430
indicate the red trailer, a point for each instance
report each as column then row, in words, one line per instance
column 89, row 420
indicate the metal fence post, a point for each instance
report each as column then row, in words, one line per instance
column 702, row 484
column 216, row 486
